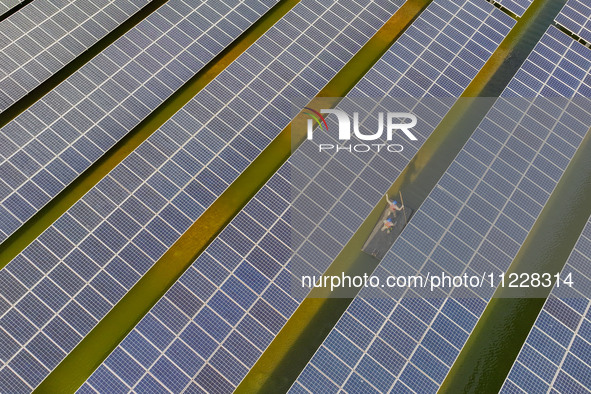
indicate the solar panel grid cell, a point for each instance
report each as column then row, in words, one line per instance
column 497, row 234
column 62, row 134
column 265, row 301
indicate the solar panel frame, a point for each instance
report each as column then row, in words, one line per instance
column 428, row 333
column 247, row 267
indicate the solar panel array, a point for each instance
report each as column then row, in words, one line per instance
column 7, row 5
column 214, row 323
column 61, row 285
column 474, row 221
column 518, row 7
column 576, row 17
column 556, row 354
column 46, row 147
column 46, row 35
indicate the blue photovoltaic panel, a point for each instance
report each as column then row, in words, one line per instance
column 46, row 147
column 518, row 7
column 556, row 354
column 46, row 35
column 576, row 18
column 72, row 275
column 217, row 319
column 474, row 221
column 7, row 5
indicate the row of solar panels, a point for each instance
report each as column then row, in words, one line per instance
column 45, row 35
column 556, row 354
column 72, row 275
column 214, row 323
column 51, row 143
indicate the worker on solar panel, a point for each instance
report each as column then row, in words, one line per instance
column 393, row 206
column 387, row 225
